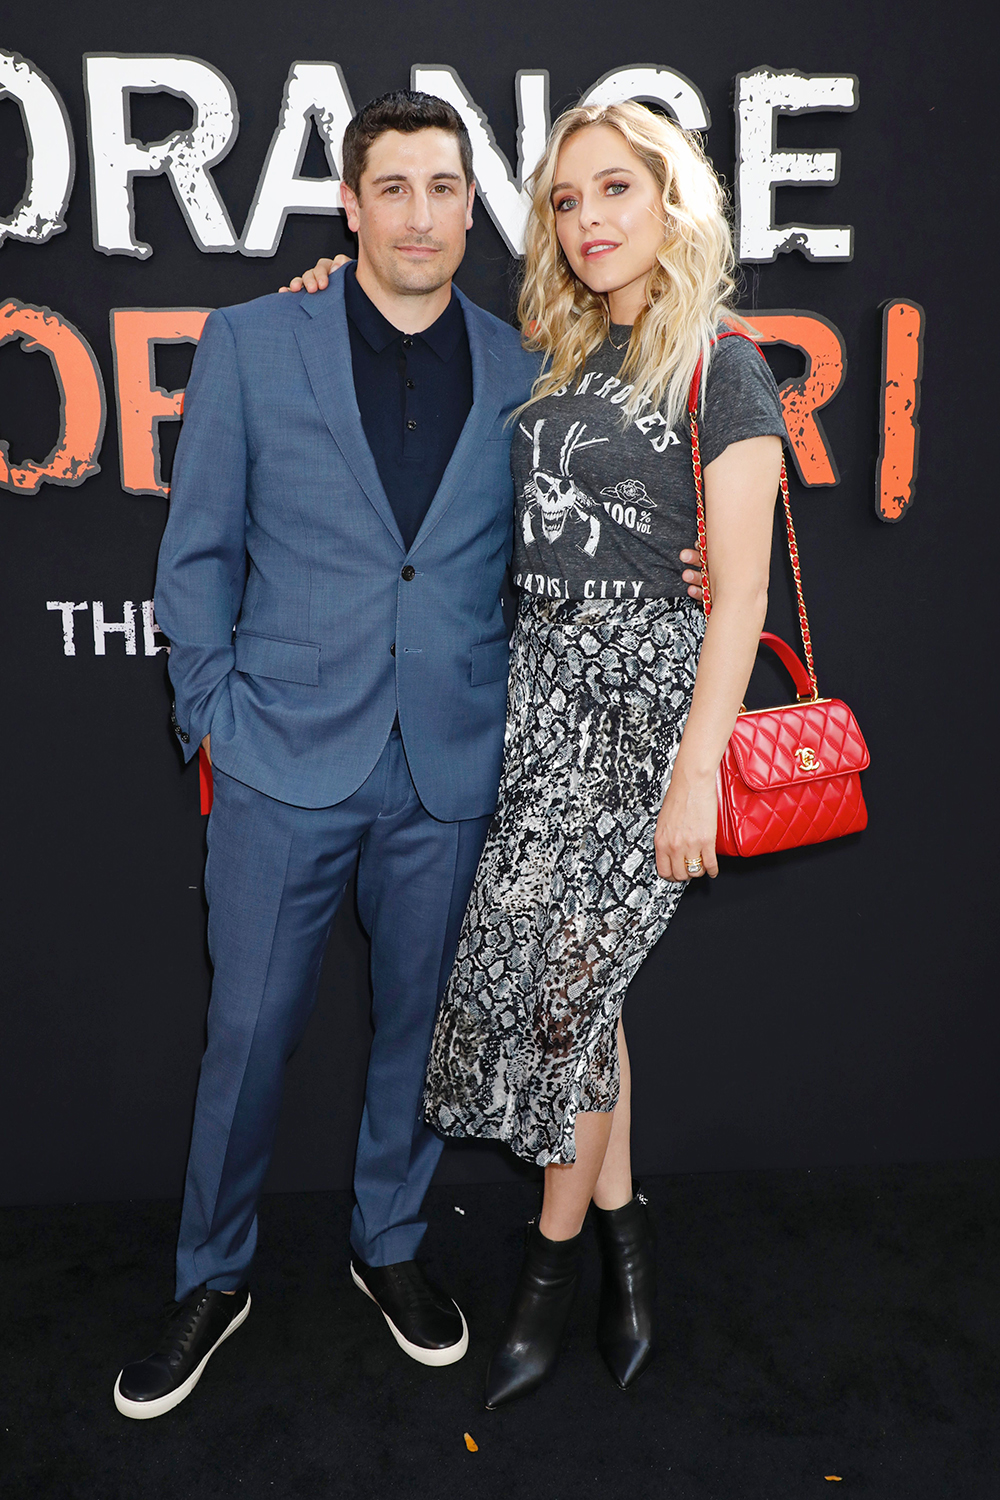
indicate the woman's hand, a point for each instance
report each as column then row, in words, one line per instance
column 692, row 571
column 685, row 829
column 317, row 279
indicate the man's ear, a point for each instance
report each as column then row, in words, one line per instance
column 468, row 207
column 349, row 199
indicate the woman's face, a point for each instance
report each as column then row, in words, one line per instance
column 609, row 217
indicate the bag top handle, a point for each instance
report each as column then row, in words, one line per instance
column 806, row 689
column 792, row 664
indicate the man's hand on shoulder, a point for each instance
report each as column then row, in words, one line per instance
column 317, row 278
column 692, row 573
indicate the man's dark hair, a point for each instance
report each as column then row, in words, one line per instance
column 406, row 111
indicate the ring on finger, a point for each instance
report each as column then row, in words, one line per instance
column 694, row 866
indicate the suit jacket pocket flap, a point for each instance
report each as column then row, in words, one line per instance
column 264, row 656
column 490, row 661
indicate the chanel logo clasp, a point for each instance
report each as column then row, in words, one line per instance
column 807, row 759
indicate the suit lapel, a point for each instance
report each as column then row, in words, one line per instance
column 487, row 402
column 325, row 346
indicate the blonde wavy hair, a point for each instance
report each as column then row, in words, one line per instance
column 691, row 285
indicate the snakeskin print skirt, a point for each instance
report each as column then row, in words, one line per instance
column 567, row 902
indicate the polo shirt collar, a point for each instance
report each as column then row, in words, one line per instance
column 442, row 336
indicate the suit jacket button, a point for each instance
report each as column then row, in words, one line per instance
column 409, row 572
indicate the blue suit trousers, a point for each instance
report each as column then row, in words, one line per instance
column 275, row 877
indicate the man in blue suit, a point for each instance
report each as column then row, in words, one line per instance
column 330, row 579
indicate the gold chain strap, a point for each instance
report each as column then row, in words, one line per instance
column 793, row 546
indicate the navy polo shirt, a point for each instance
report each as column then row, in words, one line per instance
column 414, row 393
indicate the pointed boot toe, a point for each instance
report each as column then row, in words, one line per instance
column 512, row 1372
column 626, row 1359
column 628, row 1290
column 536, row 1319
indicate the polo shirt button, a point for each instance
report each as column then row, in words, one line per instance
column 409, row 572
column 411, row 424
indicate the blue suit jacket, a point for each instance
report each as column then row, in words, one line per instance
column 283, row 583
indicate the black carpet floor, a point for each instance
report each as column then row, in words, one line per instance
column 838, row 1323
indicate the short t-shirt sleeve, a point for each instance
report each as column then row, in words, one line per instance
column 741, row 399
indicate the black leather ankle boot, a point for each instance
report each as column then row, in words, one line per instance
column 628, row 1289
column 536, row 1318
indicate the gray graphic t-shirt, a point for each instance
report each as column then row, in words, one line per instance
column 602, row 513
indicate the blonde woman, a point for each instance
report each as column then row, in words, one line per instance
column 620, row 702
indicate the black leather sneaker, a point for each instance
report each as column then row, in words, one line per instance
column 195, row 1329
column 426, row 1324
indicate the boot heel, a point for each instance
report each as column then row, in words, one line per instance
column 628, row 1289
column 536, row 1319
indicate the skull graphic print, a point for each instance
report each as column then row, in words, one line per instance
column 556, row 497
column 604, row 494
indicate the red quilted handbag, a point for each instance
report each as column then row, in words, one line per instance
column 789, row 775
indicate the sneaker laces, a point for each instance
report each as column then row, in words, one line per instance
column 415, row 1290
column 181, row 1319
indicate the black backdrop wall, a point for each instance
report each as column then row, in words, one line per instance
column 833, row 1005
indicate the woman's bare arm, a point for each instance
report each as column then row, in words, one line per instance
column 740, row 490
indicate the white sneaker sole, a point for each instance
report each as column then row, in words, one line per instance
column 449, row 1356
column 141, row 1411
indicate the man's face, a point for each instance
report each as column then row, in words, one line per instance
column 412, row 211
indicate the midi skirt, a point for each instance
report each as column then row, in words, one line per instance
column 567, row 901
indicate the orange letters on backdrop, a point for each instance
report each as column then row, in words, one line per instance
column 902, row 366
column 804, row 395
column 81, row 399
column 142, row 404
